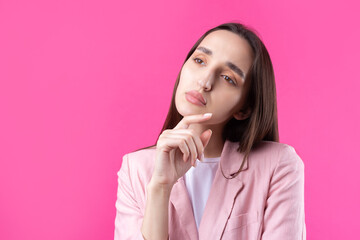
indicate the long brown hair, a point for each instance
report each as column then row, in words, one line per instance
column 262, row 124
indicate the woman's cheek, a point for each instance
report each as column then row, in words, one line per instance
column 225, row 107
column 187, row 74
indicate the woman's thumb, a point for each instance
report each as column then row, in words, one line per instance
column 205, row 137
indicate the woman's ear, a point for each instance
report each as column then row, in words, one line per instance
column 241, row 115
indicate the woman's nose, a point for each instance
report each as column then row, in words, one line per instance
column 206, row 81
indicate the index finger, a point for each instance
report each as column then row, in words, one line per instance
column 187, row 120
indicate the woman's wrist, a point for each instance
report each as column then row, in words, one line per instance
column 155, row 186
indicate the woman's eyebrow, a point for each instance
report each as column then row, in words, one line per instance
column 205, row 50
column 229, row 64
column 236, row 69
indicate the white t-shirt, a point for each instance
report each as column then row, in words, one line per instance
column 198, row 181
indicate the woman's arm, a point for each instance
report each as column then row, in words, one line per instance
column 155, row 223
column 176, row 151
column 284, row 216
column 130, row 223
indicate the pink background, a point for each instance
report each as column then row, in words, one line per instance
column 84, row 82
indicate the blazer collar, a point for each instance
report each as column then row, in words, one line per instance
column 220, row 201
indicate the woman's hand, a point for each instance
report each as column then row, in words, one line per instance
column 177, row 150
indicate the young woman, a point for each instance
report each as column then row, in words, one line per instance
column 217, row 170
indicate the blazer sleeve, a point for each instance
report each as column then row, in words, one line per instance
column 284, row 216
column 128, row 218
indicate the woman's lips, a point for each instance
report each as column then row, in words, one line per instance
column 195, row 98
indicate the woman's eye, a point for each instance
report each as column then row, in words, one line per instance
column 229, row 79
column 198, row 60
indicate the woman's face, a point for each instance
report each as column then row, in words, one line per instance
column 217, row 71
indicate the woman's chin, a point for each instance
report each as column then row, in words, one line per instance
column 189, row 111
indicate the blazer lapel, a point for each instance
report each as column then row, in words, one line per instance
column 222, row 194
column 180, row 199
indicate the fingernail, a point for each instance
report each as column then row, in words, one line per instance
column 202, row 157
column 207, row 114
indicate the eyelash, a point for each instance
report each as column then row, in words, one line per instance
column 228, row 78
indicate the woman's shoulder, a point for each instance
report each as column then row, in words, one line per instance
column 140, row 161
column 273, row 147
column 144, row 150
column 141, row 155
column 277, row 153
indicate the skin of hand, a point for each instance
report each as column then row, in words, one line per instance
column 177, row 150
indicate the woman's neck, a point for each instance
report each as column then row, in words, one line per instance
column 216, row 143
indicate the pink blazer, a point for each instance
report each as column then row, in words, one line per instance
column 265, row 201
